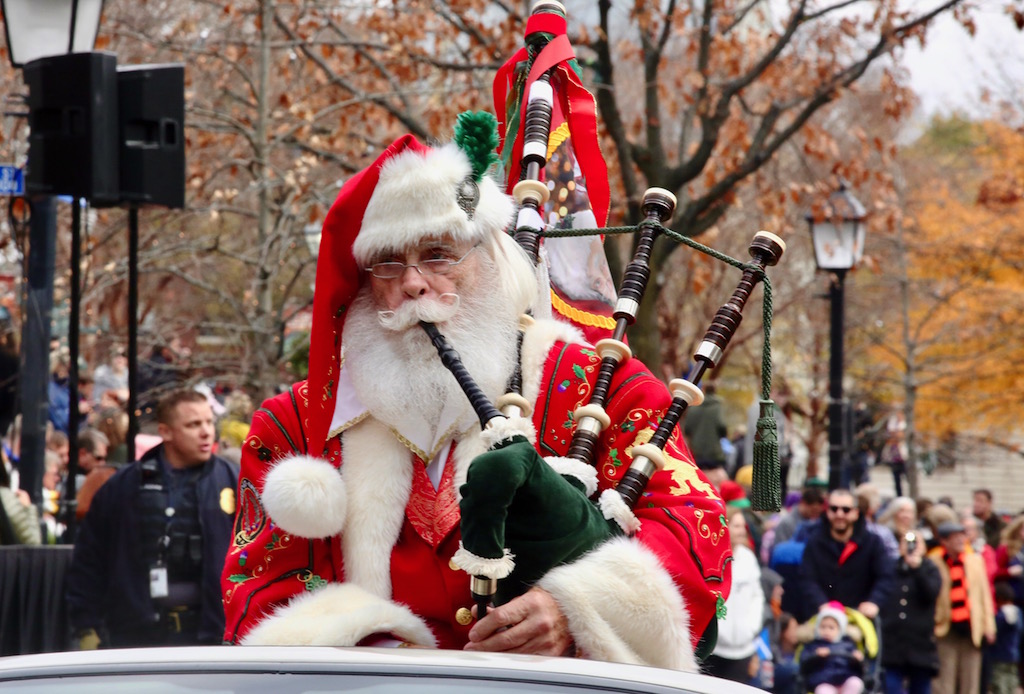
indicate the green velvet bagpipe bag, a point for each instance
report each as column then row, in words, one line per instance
column 516, row 508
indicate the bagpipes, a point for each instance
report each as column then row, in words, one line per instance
column 510, row 491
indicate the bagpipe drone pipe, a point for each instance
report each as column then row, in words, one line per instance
column 521, row 518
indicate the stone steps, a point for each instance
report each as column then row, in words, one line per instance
column 1000, row 471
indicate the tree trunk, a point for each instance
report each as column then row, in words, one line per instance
column 262, row 347
column 644, row 336
column 910, row 371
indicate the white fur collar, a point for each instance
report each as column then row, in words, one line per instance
column 377, row 470
column 537, row 342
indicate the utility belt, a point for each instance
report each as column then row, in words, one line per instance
column 180, row 620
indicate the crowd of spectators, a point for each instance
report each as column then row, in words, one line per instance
column 930, row 594
column 101, row 436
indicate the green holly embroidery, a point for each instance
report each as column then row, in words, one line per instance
column 238, row 578
column 722, row 520
column 315, row 582
column 580, row 373
column 614, row 454
column 588, row 352
column 627, row 426
column 570, row 420
column 720, row 610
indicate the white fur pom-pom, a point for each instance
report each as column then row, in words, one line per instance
column 305, row 497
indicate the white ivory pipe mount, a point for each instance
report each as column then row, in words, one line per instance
column 613, row 348
column 689, row 392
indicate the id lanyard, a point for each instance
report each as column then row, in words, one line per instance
column 158, row 587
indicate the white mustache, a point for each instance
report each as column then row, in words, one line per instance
column 411, row 313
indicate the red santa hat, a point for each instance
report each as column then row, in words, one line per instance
column 410, row 193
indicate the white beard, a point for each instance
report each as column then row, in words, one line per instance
column 397, row 373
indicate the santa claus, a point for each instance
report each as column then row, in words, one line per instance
column 349, row 517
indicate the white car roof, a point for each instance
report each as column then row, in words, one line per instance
column 321, row 659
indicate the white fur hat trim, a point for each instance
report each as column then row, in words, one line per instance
column 587, row 474
column 305, row 497
column 614, row 508
column 415, row 199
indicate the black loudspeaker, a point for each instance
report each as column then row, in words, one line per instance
column 151, row 111
column 73, row 117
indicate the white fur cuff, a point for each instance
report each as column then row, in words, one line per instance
column 614, row 508
column 587, row 474
column 624, row 607
column 482, row 566
column 339, row 614
column 505, row 429
column 305, row 497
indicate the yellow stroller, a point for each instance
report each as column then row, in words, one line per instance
column 866, row 636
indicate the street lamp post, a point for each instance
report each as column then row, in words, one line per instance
column 38, row 29
column 838, row 235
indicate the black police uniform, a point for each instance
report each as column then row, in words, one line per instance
column 149, row 554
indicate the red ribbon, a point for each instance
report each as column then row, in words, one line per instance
column 547, row 23
column 577, row 104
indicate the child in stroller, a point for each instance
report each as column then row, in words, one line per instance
column 832, row 663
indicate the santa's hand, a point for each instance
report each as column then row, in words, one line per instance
column 531, row 623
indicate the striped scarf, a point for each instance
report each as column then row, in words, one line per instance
column 959, row 604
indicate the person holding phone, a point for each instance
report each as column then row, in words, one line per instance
column 910, row 657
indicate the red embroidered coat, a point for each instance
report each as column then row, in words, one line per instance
column 398, row 543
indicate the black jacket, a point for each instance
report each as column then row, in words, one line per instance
column 866, row 575
column 908, row 618
column 108, row 580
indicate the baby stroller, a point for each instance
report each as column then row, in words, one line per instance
column 866, row 634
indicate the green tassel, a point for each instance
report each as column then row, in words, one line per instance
column 766, row 488
column 476, row 134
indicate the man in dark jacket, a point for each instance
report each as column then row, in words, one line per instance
column 844, row 562
column 147, row 563
column 705, row 428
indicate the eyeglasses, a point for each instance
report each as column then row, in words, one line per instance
column 392, row 270
column 841, row 509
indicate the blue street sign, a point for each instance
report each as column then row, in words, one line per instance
column 12, row 180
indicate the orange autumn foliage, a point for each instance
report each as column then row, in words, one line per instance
column 964, row 264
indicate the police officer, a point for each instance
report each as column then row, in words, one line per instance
column 147, row 561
